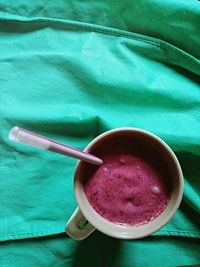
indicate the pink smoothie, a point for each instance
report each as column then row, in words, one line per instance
column 132, row 185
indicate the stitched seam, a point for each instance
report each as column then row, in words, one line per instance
column 33, row 233
column 177, row 233
column 180, row 231
column 61, row 231
column 107, row 31
column 101, row 29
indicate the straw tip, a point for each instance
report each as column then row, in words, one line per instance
column 13, row 133
column 100, row 162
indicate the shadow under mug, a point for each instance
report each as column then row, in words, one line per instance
column 85, row 219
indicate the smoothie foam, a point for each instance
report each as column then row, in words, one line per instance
column 132, row 185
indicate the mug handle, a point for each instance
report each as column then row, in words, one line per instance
column 78, row 226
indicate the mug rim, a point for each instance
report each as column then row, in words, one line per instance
column 118, row 230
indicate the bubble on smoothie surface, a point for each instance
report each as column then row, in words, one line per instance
column 105, row 169
column 122, row 160
column 155, row 189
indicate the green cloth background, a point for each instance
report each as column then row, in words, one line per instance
column 71, row 70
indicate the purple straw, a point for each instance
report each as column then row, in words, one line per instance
column 23, row 136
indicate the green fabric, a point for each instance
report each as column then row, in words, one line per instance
column 100, row 250
column 72, row 70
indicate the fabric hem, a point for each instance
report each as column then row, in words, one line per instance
column 60, row 231
column 106, row 30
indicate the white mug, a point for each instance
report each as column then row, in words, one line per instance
column 85, row 219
